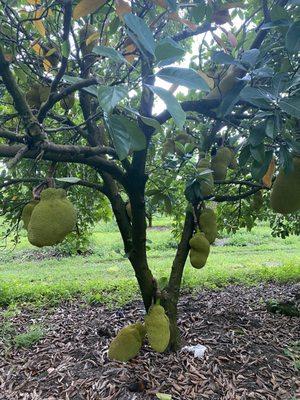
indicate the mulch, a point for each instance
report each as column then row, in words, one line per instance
column 245, row 356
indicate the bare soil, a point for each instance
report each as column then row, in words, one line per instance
column 245, row 359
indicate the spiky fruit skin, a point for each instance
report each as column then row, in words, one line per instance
column 37, row 95
column 27, row 211
column 67, row 102
column 208, row 224
column 285, row 194
column 221, row 161
column 257, row 201
column 199, row 250
column 84, row 34
column 157, row 328
column 51, row 219
column 128, row 342
column 207, row 180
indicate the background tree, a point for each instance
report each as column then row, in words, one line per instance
column 78, row 87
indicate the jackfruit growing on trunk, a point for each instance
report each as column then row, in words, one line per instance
column 128, row 342
column 221, row 161
column 51, row 219
column 199, row 250
column 206, row 181
column 157, row 328
column 208, row 224
column 27, row 211
column 285, row 194
column 67, row 102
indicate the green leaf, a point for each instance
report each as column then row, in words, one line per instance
column 291, row 106
column 65, row 49
column 74, row 79
column 171, row 103
column 220, row 57
column 110, row 96
column 69, row 179
column 258, row 153
column 126, row 135
column 259, row 169
column 285, row 159
column 244, row 155
column 109, row 52
column 256, row 93
column 230, row 99
column 172, row 4
column 275, row 24
column 168, row 51
column 292, row 39
column 151, row 122
column 141, row 31
column 193, row 192
column 271, row 127
column 250, row 57
column 257, row 135
column 183, row 76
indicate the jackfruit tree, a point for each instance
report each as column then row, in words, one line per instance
column 124, row 107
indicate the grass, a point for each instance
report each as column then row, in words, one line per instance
column 106, row 275
column 33, row 335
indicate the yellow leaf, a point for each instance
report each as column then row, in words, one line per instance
column 94, row 36
column 175, row 17
column 34, row 2
column 86, row 7
column 122, row 7
column 267, row 179
column 38, row 49
column 208, row 80
column 47, row 65
column 38, row 23
column 130, row 49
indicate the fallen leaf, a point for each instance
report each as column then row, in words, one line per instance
column 267, row 178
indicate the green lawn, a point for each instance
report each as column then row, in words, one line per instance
column 106, row 275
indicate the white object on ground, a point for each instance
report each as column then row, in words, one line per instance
column 198, row 350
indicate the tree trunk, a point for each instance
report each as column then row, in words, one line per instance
column 170, row 300
column 150, row 220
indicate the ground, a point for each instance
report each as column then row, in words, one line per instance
column 249, row 352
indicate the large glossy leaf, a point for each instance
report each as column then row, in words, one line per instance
column 110, row 96
column 292, row 39
column 141, row 31
column 257, row 134
column 250, row 57
column 256, row 93
column 109, row 52
column 126, row 135
column 258, row 153
column 168, row 51
column 291, row 106
column 230, row 99
column 183, row 76
column 259, row 168
column 172, row 105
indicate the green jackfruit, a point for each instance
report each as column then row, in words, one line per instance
column 181, row 138
column 67, row 102
column 157, row 328
column 37, row 95
column 52, row 219
column 207, row 180
column 127, row 343
column 208, row 224
column 221, row 161
column 84, row 34
column 199, row 250
column 285, row 194
column 27, row 211
column 257, row 201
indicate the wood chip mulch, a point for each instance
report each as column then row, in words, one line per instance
column 245, row 358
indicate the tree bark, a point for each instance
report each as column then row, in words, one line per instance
column 171, row 294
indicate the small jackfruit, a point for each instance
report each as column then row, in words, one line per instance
column 127, row 343
column 257, row 201
column 51, row 219
column 37, row 95
column 208, row 224
column 285, row 194
column 157, row 328
column 207, row 180
column 199, row 250
column 67, row 102
column 221, row 161
column 27, row 211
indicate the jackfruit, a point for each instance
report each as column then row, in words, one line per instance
column 84, row 34
column 51, row 219
column 27, row 211
column 199, row 250
column 127, row 343
column 206, row 181
column 257, row 201
column 226, row 84
column 168, row 147
column 285, row 195
column 67, row 102
column 208, row 224
column 182, row 138
column 37, row 95
column 157, row 328
column 221, row 161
